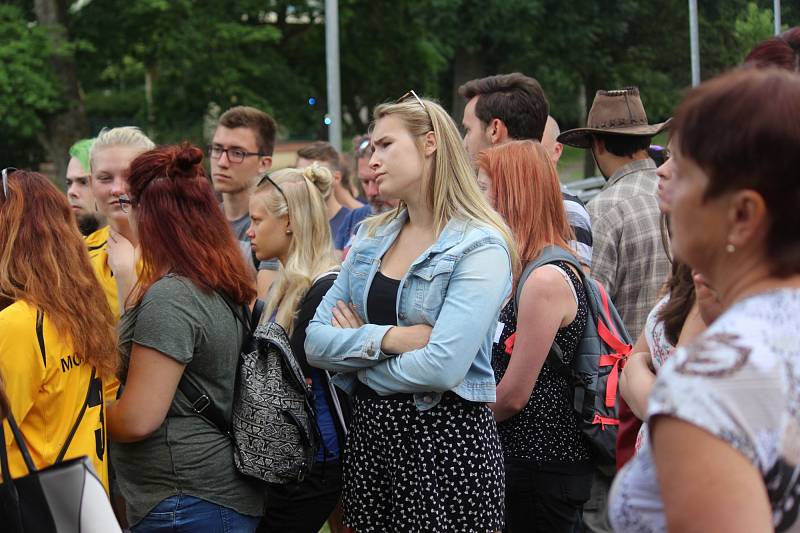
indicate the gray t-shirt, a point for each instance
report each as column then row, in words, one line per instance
column 186, row 454
column 240, row 227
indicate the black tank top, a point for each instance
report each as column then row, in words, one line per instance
column 382, row 300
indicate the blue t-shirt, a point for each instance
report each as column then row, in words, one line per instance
column 336, row 226
column 348, row 227
column 327, row 427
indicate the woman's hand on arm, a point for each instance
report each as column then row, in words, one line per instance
column 149, row 390
column 706, row 484
column 637, row 378
column 545, row 304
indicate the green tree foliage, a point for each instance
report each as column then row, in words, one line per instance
column 170, row 66
column 28, row 90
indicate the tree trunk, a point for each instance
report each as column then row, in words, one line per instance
column 69, row 124
column 150, row 77
column 466, row 66
column 585, row 97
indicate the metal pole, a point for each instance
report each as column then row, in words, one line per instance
column 777, row 10
column 694, row 43
column 332, row 67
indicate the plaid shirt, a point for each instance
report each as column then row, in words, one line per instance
column 628, row 255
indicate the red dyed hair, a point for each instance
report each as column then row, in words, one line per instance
column 43, row 261
column 780, row 51
column 181, row 228
column 528, row 196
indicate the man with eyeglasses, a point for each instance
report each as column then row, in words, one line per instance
column 240, row 152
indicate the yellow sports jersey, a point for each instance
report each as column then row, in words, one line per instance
column 96, row 244
column 47, row 392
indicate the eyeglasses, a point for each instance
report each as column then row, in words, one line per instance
column 235, row 155
column 266, row 179
column 125, row 203
column 362, row 148
column 6, row 171
column 417, row 98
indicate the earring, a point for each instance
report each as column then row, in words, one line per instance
column 288, row 232
column 730, row 248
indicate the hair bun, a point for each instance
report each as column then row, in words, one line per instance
column 320, row 177
column 187, row 161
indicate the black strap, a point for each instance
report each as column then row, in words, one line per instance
column 20, row 440
column 202, row 405
column 40, row 335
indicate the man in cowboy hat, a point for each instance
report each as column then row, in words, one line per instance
column 628, row 255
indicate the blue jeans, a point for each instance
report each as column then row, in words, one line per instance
column 184, row 513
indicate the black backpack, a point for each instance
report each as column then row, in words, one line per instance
column 594, row 372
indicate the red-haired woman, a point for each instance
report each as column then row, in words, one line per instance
column 782, row 51
column 548, row 474
column 175, row 468
column 57, row 338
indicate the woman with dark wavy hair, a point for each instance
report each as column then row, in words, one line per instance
column 57, row 343
column 175, row 468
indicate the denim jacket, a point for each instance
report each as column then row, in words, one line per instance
column 457, row 286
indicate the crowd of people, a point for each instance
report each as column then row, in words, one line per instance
column 398, row 279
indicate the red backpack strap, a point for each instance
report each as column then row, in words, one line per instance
column 609, row 334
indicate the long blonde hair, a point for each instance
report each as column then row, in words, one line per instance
column 452, row 188
column 311, row 249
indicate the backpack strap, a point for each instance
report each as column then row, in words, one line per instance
column 40, row 335
column 199, row 401
column 551, row 254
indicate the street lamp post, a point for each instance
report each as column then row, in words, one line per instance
column 332, row 68
column 694, row 43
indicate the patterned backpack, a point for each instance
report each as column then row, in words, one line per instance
column 274, row 426
column 599, row 356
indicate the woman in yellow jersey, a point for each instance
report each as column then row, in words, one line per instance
column 57, row 339
column 111, row 247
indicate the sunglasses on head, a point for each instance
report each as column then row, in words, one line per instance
column 417, row 98
column 267, row 179
column 6, row 172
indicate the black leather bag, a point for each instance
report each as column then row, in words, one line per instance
column 66, row 497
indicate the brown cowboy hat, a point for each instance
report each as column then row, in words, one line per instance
column 618, row 112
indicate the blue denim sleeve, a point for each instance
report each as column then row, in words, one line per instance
column 480, row 282
column 338, row 349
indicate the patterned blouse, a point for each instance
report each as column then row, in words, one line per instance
column 740, row 381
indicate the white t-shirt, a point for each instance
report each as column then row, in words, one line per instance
column 740, row 381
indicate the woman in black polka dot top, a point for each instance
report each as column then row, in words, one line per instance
column 548, row 473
